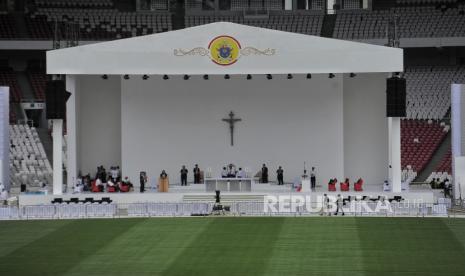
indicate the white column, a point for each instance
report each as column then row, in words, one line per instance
column 330, row 4
column 71, row 131
column 57, row 135
column 4, row 137
column 288, row 5
column 394, row 154
column 457, row 140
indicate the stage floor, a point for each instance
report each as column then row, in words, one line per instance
column 196, row 192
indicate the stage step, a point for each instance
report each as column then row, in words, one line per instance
column 224, row 198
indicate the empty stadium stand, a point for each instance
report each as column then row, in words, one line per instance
column 97, row 20
column 7, row 28
column 419, row 141
column 38, row 82
column 422, row 20
column 8, row 78
column 308, row 23
column 28, row 160
column 446, row 164
column 428, row 90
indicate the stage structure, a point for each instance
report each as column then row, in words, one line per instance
column 164, row 100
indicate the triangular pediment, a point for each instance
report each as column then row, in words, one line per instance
column 224, row 48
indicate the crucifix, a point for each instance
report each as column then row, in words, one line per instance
column 231, row 121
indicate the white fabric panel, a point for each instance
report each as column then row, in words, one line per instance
column 99, row 135
column 154, row 54
column 365, row 128
column 166, row 124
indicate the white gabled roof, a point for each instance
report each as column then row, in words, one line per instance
column 287, row 53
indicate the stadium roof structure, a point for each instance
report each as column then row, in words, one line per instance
column 224, row 48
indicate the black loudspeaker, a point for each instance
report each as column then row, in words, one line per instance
column 55, row 99
column 396, row 105
column 217, row 197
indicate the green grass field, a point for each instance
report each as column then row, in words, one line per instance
column 234, row 246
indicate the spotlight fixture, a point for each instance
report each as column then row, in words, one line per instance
column 289, row 76
column 227, row 77
column 331, row 75
column 205, row 77
column 165, row 77
column 105, row 77
column 145, row 77
column 352, row 75
column 269, row 76
column 186, row 77
column 126, row 77
column 249, row 76
column 309, row 76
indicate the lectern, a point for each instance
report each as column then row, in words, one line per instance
column 163, row 184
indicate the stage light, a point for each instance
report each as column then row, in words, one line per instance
column 289, row 76
column 309, row 76
column 352, row 75
column 331, row 75
column 145, row 77
column 105, row 77
column 249, row 76
column 165, row 77
column 126, row 77
column 186, row 77
column 205, row 77
column 269, row 76
column 227, row 77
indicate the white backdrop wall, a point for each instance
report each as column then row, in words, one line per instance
column 99, row 123
column 365, row 128
column 166, row 124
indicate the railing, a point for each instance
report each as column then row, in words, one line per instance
column 256, row 208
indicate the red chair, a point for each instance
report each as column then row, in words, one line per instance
column 344, row 187
column 358, row 185
column 111, row 189
column 94, row 187
column 332, row 186
column 123, row 188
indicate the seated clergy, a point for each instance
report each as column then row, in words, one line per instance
column 110, row 182
column 224, row 173
column 241, row 173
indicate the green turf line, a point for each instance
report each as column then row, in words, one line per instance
column 56, row 252
column 410, row 246
column 15, row 234
column 148, row 249
column 317, row 246
column 234, row 246
column 230, row 246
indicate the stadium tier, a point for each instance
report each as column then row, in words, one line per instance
column 428, row 90
column 8, row 78
column 28, row 161
column 306, row 24
column 7, row 27
column 446, row 164
column 38, row 83
column 419, row 141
